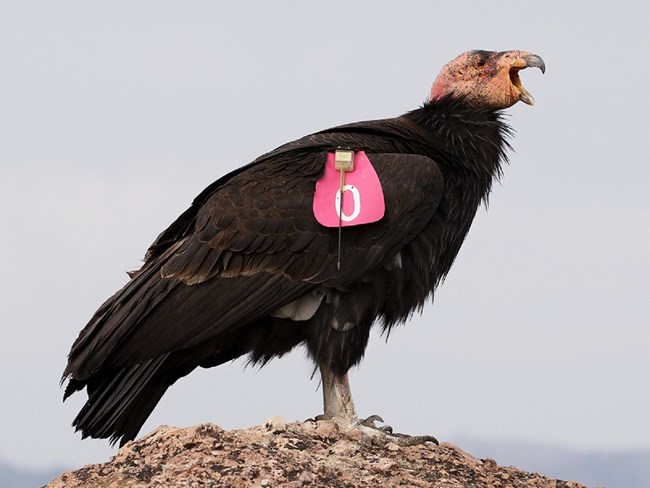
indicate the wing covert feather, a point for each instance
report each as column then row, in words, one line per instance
column 269, row 227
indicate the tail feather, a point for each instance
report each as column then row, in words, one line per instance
column 120, row 400
column 156, row 330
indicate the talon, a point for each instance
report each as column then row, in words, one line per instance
column 370, row 421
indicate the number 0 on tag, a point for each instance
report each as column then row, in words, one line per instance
column 360, row 202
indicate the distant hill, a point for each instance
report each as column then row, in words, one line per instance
column 13, row 477
column 595, row 468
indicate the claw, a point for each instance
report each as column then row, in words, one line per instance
column 370, row 421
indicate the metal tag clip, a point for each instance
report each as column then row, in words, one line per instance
column 343, row 162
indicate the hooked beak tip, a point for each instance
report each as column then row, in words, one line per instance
column 535, row 61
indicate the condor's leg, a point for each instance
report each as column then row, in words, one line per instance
column 338, row 406
column 337, row 398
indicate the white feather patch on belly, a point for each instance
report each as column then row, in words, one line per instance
column 302, row 309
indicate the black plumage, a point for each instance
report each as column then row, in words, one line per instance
column 247, row 269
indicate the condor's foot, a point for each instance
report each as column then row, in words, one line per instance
column 339, row 407
column 367, row 430
column 385, row 434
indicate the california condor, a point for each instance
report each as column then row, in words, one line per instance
column 254, row 267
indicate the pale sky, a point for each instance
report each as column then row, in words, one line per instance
column 114, row 115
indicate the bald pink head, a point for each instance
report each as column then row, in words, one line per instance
column 486, row 79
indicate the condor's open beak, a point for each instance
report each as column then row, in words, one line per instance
column 529, row 61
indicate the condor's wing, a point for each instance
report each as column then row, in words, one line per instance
column 255, row 247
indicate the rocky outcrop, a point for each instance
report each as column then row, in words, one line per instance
column 307, row 454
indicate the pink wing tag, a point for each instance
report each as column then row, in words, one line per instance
column 363, row 198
